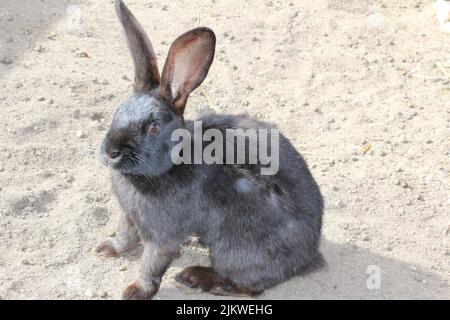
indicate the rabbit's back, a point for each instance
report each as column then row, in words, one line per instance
column 265, row 226
column 291, row 189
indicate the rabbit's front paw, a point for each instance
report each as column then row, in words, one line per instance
column 107, row 249
column 135, row 292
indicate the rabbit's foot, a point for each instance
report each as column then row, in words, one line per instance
column 206, row 279
column 112, row 249
column 107, row 249
column 136, row 292
column 203, row 278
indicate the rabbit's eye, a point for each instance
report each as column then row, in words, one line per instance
column 153, row 128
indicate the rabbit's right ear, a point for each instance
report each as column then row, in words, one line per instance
column 187, row 65
column 146, row 68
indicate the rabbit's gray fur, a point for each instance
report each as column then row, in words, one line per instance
column 261, row 230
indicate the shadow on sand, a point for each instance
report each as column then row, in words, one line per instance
column 345, row 278
column 24, row 22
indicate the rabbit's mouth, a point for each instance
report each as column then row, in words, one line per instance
column 110, row 158
column 123, row 162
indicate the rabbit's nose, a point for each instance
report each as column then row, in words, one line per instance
column 113, row 154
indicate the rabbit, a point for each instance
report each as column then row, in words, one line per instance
column 261, row 230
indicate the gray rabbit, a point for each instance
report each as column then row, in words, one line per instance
column 261, row 229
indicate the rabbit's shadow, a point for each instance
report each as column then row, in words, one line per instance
column 352, row 273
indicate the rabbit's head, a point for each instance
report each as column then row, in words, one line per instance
column 138, row 140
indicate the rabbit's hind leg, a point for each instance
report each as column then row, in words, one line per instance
column 206, row 279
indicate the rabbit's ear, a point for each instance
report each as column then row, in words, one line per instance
column 146, row 68
column 187, row 65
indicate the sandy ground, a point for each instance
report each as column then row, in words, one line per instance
column 359, row 87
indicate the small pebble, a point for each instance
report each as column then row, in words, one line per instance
column 38, row 48
column 103, row 294
column 51, row 35
column 80, row 134
column 89, row 293
column 122, row 268
column 339, row 204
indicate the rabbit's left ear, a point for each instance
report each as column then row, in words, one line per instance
column 145, row 66
column 187, row 65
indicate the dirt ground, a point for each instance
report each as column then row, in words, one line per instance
column 360, row 87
